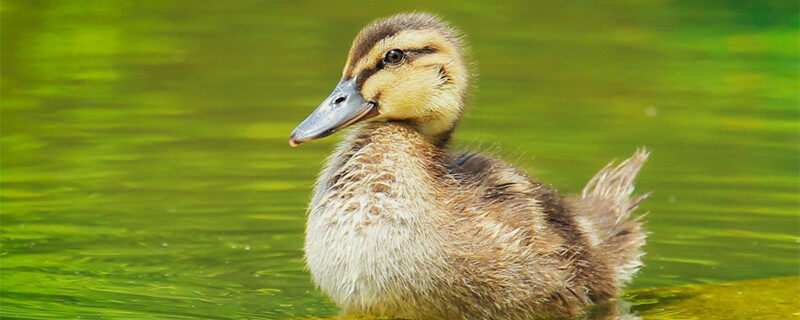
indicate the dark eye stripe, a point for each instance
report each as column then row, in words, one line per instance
column 424, row 50
column 366, row 73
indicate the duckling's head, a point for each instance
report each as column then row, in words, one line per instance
column 409, row 68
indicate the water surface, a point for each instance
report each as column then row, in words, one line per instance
column 146, row 171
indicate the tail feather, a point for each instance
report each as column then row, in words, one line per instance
column 615, row 183
column 606, row 203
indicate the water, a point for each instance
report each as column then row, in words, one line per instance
column 146, row 171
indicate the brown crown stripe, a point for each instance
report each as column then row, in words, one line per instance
column 363, row 45
column 383, row 29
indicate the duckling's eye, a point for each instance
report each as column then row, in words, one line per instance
column 394, row 56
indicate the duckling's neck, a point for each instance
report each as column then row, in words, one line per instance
column 375, row 151
column 436, row 131
column 407, row 138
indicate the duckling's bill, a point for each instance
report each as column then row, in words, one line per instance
column 343, row 107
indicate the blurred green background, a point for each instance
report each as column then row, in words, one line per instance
column 146, row 171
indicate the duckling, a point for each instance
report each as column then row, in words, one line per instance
column 401, row 226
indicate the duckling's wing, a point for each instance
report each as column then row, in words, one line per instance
column 505, row 196
column 519, row 219
column 599, row 219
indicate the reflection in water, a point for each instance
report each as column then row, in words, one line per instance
column 145, row 170
column 774, row 298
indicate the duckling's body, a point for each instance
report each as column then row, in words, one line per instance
column 400, row 226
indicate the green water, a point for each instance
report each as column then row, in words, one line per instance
column 146, row 171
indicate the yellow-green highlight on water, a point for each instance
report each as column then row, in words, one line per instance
column 774, row 298
column 145, row 171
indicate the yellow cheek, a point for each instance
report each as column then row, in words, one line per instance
column 404, row 91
